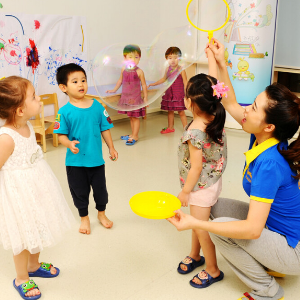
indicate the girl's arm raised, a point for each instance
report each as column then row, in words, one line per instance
column 193, row 175
column 160, row 81
column 230, row 103
column 7, row 146
column 118, row 84
column 248, row 229
column 212, row 64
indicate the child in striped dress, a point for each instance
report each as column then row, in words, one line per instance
column 173, row 99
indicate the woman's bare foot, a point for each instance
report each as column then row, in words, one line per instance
column 104, row 220
column 30, row 293
column 85, row 226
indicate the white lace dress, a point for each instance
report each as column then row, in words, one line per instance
column 33, row 211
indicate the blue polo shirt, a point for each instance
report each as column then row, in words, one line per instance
column 268, row 178
column 84, row 125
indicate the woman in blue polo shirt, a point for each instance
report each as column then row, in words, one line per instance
column 264, row 234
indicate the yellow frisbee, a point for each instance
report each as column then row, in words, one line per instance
column 154, row 205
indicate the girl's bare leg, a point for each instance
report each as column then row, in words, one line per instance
column 135, row 128
column 195, row 250
column 208, row 248
column 171, row 119
column 182, row 118
column 21, row 263
column 34, row 264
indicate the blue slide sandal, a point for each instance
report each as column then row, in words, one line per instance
column 44, row 271
column 207, row 280
column 26, row 287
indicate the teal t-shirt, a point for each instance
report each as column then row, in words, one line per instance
column 84, row 125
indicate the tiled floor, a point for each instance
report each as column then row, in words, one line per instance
column 137, row 258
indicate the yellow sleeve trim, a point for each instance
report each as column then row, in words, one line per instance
column 261, row 199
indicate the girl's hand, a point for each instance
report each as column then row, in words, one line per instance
column 73, row 147
column 182, row 221
column 149, row 85
column 110, row 91
column 184, row 198
column 113, row 154
column 218, row 50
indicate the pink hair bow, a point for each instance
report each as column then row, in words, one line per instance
column 220, row 90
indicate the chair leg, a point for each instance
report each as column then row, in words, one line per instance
column 44, row 142
column 55, row 140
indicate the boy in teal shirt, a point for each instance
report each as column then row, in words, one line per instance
column 79, row 125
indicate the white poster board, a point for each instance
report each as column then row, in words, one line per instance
column 34, row 46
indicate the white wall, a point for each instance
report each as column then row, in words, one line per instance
column 114, row 21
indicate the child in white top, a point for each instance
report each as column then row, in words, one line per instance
column 33, row 210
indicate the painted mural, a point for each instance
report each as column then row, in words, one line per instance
column 249, row 46
column 34, row 46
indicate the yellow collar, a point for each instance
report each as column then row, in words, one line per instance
column 256, row 150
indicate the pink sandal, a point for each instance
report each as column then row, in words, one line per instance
column 167, row 130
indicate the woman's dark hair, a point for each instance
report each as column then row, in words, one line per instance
column 283, row 111
column 173, row 50
column 199, row 90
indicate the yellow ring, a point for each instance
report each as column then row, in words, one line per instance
column 210, row 32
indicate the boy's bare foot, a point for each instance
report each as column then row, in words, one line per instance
column 30, row 293
column 104, row 220
column 85, row 226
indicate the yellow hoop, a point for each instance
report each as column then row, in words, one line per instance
column 210, row 32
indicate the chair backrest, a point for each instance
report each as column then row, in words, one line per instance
column 40, row 116
column 48, row 99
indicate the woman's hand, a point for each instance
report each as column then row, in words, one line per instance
column 184, row 198
column 218, row 50
column 182, row 221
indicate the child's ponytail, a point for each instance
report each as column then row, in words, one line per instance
column 201, row 93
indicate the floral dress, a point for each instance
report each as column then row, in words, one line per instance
column 214, row 157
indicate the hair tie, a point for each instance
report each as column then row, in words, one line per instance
column 220, row 90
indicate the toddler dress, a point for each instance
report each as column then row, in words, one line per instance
column 33, row 211
column 131, row 94
column 173, row 99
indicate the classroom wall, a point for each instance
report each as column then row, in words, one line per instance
column 114, row 21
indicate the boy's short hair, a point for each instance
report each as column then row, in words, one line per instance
column 63, row 72
column 132, row 48
column 173, row 50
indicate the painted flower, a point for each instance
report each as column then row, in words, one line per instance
column 182, row 180
column 207, row 145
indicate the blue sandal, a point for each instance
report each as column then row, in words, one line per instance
column 124, row 137
column 26, row 287
column 191, row 266
column 130, row 142
column 44, row 271
column 206, row 281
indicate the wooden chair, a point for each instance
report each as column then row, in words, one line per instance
column 51, row 99
column 39, row 127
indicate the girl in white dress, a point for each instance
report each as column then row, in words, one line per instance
column 33, row 211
